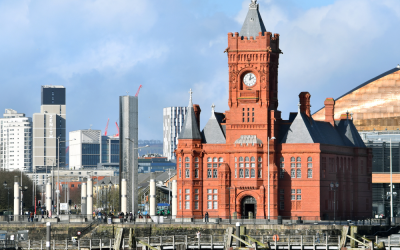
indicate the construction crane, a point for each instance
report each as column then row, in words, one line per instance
column 105, row 132
column 116, row 124
column 137, row 93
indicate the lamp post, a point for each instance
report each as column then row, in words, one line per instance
column 109, row 188
column 334, row 187
column 58, row 173
column 52, row 183
column 273, row 138
column 25, row 188
column 8, row 195
column 230, row 203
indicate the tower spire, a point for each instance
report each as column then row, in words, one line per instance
column 253, row 23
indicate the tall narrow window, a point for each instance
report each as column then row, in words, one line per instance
column 259, row 173
column 187, row 175
column 298, row 173
column 187, row 165
column 180, row 174
column 240, row 173
column 309, row 173
column 282, row 172
column 253, row 173
column 196, row 173
column 247, row 173
column 196, row 159
column 293, row 173
column 309, row 162
column 215, row 173
column 209, row 173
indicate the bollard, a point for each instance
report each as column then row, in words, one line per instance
column 100, row 245
column 173, row 242
column 212, row 242
column 238, row 233
column 48, row 231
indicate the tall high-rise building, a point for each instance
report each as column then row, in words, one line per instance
column 88, row 147
column 49, row 129
column 15, row 142
column 128, row 144
column 173, row 118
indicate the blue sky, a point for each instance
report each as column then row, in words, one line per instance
column 99, row 49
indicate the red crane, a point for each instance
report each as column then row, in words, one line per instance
column 137, row 93
column 105, row 133
column 116, row 124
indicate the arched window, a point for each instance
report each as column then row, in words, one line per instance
column 247, row 173
column 292, row 159
column 240, row 158
column 253, row 159
column 187, row 173
column 298, row 159
column 221, row 159
column 253, row 173
column 309, row 159
column 259, row 159
column 293, row 173
column 209, row 159
column 298, row 173
column 309, row 173
column 215, row 159
column 240, row 173
column 187, row 159
column 246, row 159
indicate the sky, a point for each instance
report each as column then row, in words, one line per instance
column 100, row 50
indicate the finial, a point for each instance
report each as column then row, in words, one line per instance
column 347, row 114
column 253, row 4
column 190, row 99
column 351, row 114
column 299, row 106
column 213, row 108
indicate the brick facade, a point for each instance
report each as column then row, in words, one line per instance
column 223, row 178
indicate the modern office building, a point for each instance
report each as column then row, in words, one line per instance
column 173, row 118
column 156, row 164
column 49, row 129
column 385, row 146
column 15, row 142
column 128, row 144
column 88, row 148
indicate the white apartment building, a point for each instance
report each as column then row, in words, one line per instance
column 173, row 118
column 15, row 141
column 49, row 129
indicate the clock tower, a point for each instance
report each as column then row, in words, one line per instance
column 253, row 56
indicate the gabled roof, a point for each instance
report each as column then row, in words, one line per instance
column 190, row 129
column 213, row 132
column 253, row 24
column 306, row 130
column 350, row 135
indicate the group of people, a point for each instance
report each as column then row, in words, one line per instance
column 128, row 217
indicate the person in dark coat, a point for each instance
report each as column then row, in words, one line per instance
column 206, row 217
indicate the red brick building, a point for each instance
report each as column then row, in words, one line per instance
column 224, row 168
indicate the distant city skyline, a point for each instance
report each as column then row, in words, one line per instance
column 102, row 50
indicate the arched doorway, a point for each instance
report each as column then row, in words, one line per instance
column 249, row 204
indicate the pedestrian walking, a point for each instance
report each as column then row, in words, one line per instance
column 206, row 217
column 317, row 238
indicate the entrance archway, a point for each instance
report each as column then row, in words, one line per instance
column 249, row 204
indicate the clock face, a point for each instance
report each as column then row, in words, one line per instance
column 249, row 79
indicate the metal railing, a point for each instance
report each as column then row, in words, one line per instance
column 274, row 220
